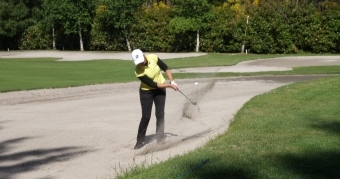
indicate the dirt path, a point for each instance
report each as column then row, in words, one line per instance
column 90, row 131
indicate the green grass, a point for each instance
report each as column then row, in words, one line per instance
column 290, row 132
column 28, row 74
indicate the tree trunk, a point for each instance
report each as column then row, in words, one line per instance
column 127, row 39
column 53, row 38
column 128, row 43
column 198, row 41
column 81, row 41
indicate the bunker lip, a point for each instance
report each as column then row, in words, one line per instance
column 90, row 131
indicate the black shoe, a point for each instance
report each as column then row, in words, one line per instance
column 139, row 145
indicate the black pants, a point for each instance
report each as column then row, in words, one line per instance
column 147, row 98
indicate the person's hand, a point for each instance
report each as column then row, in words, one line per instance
column 174, row 87
column 173, row 83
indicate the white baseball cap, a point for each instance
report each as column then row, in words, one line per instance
column 137, row 56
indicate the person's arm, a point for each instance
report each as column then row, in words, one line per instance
column 162, row 65
column 165, row 68
column 166, row 85
column 151, row 83
column 169, row 75
column 148, row 81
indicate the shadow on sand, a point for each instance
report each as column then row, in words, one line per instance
column 14, row 163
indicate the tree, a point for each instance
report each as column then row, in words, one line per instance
column 119, row 15
column 191, row 16
column 54, row 16
column 16, row 16
column 222, row 33
column 75, row 16
column 79, row 18
column 152, row 33
column 150, row 3
column 34, row 38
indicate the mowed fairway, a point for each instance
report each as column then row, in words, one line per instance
column 90, row 131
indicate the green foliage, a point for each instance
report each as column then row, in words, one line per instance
column 104, row 36
column 119, row 13
column 191, row 15
column 332, row 21
column 182, row 24
column 223, row 33
column 194, row 9
column 269, row 30
column 70, row 17
column 53, row 13
column 99, row 38
column 16, row 16
column 290, row 27
column 78, row 16
column 326, row 37
column 34, row 38
column 13, row 17
column 116, row 19
column 274, row 26
column 304, row 26
column 152, row 32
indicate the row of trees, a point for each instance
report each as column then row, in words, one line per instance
column 257, row 26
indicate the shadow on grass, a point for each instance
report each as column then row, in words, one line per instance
column 14, row 163
column 206, row 171
column 332, row 127
column 324, row 163
column 306, row 164
column 316, row 165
